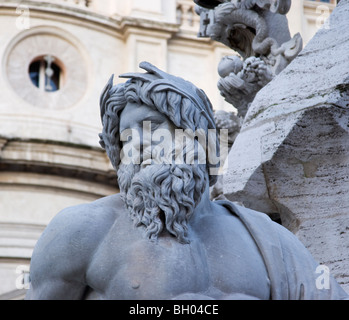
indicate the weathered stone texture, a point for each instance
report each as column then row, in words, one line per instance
column 292, row 155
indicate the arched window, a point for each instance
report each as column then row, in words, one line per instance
column 46, row 74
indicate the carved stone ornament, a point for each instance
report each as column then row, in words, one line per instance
column 252, row 28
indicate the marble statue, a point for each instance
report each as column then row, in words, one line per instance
column 258, row 31
column 162, row 237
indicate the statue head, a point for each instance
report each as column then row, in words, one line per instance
column 159, row 196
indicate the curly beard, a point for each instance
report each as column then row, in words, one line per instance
column 162, row 196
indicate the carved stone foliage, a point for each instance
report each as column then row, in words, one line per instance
column 258, row 31
column 240, row 81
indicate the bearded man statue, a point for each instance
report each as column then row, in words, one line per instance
column 162, row 237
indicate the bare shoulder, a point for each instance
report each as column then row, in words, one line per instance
column 96, row 216
column 85, row 221
column 68, row 242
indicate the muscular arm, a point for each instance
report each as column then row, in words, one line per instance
column 62, row 254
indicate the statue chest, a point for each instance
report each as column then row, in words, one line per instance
column 146, row 270
column 140, row 269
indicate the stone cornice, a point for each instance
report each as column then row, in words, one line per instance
column 116, row 25
column 58, row 159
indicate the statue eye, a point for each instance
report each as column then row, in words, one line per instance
column 155, row 125
column 154, row 122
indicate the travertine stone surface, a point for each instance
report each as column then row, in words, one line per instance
column 292, row 153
